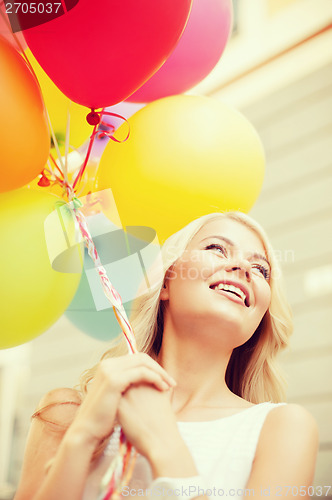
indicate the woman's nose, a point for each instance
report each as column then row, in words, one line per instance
column 241, row 267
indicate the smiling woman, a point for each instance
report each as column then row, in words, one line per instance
column 229, row 293
column 214, row 322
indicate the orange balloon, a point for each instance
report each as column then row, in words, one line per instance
column 24, row 134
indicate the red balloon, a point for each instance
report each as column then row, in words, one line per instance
column 198, row 51
column 98, row 53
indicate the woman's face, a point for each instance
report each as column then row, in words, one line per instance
column 220, row 284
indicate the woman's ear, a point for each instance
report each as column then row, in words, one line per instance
column 164, row 290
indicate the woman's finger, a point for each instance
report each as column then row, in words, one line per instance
column 140, row 375
column 148, row 361
column 123, row 363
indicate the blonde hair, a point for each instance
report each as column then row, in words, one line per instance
column 252, row 372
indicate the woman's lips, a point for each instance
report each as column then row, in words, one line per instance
column 230, row 296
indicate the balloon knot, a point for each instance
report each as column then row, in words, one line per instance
column 44, row 181
column 93, row 118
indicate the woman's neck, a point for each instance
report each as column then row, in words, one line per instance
column 199, row 370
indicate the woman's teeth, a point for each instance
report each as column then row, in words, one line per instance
column 231, row 288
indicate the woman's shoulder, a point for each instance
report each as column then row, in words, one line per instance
column 58, row 407
column 290, row 414
column 289, row 426
column 61, row 394
column 287, row 448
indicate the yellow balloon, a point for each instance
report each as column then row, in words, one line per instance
column 33, row 295
column 186, row 156
column 57, row 105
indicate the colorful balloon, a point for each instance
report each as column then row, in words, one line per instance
column 101, row 325
column 198, row 51
column 24, row 135
column 186, row 156
column 32, row 294
column 58, row 106
column 99, row 54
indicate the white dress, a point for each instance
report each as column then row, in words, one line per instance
column 223, row 451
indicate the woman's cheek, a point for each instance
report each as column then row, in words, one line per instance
column 266, row 297
column 171, row 274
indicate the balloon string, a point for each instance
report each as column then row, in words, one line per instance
column 111, row 293
column 95, row 133
column 56, row 165
column 119, row 466
column 100, row 135
column 120, row 462
column 81, row 171
column 110, row 134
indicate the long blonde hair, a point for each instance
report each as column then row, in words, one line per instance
column 252, row 372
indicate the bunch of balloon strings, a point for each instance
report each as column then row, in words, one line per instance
column 121, row 468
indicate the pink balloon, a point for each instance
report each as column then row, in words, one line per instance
column 6, row 32
column 100, row 52
column 198, row 51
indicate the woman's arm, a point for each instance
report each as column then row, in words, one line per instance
column 45, row 439
column 284, row 465
column 72, row 450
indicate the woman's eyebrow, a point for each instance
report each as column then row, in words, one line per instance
column 232, row 244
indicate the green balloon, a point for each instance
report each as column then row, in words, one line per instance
column 114, row 246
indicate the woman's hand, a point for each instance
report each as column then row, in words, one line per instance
column 147, row 419
column 95, row 418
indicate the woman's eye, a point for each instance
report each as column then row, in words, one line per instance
column 263, row 270
column 218, row 248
